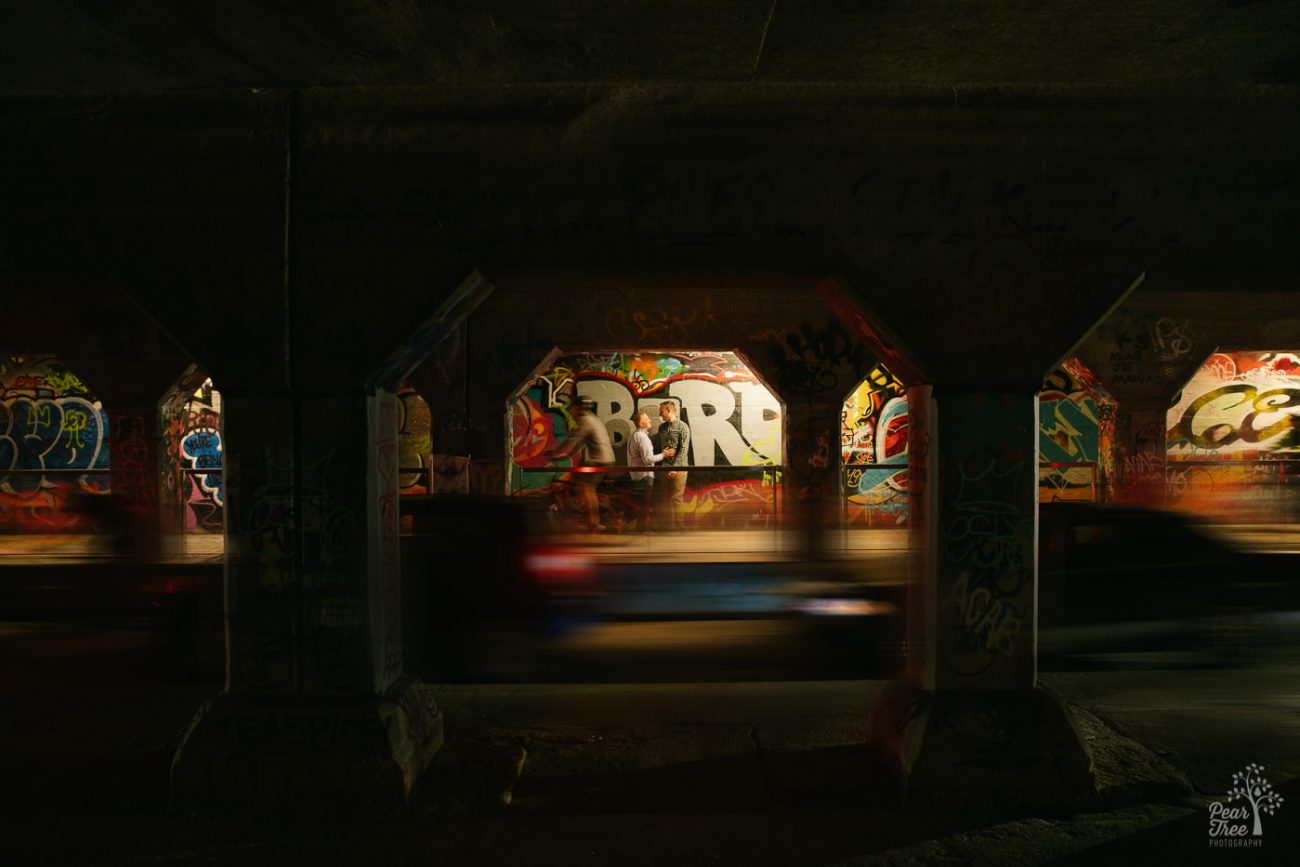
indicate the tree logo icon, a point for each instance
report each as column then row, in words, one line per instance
column 1239, row 820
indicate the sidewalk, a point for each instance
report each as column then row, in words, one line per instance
column 701, row 773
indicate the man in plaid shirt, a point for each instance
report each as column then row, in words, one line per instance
column 673, row 434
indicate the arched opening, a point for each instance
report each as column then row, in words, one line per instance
column 735, row 424
column 1076, row 442
column 1233, row 439
column 192, row 483
column 414, row 445
column 873, row 451
column 1076, row 445
column 54, row 451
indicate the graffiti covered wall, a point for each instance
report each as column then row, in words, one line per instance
column 192, row 460
column 50, row 427
column 1076, row 444
column 734, row 420
column 414, row 441
column 873, row 448
column 1076, row 427
column 1233, row 437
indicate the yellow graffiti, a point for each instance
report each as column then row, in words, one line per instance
column 64, row 382
column 882, row 378
column 558, row 377
column 74, row 425
column 40, row 416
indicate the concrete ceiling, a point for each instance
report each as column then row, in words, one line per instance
column 1211, row 47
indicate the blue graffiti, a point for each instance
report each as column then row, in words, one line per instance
column 202, row 448
column 1068, row 430
column 42, row 435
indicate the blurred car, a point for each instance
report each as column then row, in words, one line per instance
column 484, row 579
column 1128, row 578
column 178, row 604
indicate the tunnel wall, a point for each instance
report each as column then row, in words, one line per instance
column 49, row 421
column 793, row 342
column 988, row 237
column 734, row 422
column 192, row 502
column 1152, row 345
column 1233, row 439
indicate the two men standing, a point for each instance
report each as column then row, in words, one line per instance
column 641, row 453
column 665, row 497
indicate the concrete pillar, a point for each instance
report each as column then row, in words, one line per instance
column 133, row 456
column 811, row 477
column 129, row 390
column 968, row 722
column 317, row 710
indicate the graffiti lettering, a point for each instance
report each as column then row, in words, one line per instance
column 1171, row 340
column 992, row 622
column 1238, row 411
column 988, row 542
column 191, row 420
column 48, row 422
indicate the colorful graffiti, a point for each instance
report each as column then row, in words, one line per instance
column 735, row 422
column 1233, row 437
column 191, row 421
column 51, row 431
column 1076, row 443
column 985, row 535
column 414, row 441
column 1076, row 435
column 873, row 451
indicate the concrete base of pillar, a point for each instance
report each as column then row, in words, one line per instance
column 250, row 754
column 981, row 748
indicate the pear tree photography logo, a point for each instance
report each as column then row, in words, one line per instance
column 1238, row 821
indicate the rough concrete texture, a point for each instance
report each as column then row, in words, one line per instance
column 961, row 749
column 1123, row 769
column 270, row 756
column 378, row 42
column 712, row 773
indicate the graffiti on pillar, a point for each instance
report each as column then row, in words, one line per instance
column 294, row 524
column 193, row 458
column 1144, row 353
column 262, row 642
column 663, row 324
column 987, row 543
column 50, row 428
column 1233, row 437
column 734, row 421
column 486, row 477
column 1143, row 468
column 131, row 467
column 1076, row 435
column 816, row 359
column 873, row 449
column 268, row 532
column 328, row 528
column 1076, row 443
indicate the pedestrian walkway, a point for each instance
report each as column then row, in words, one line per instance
column 636, row 774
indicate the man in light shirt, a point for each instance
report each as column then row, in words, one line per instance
column 641, row 453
